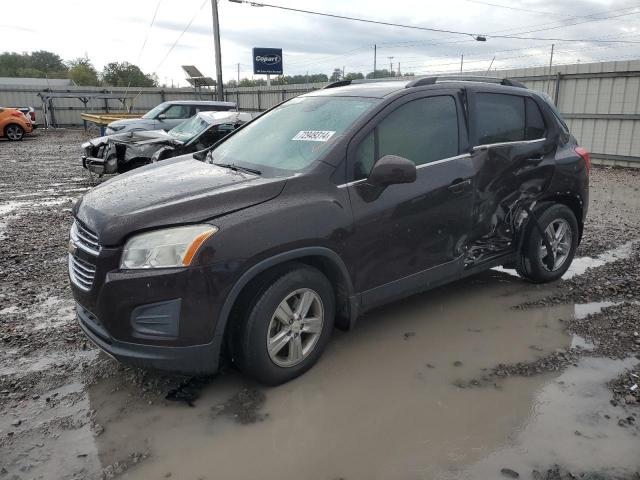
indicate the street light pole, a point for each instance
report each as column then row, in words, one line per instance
column 216, row 41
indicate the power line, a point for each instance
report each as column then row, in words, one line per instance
column 518, row 30
column 476, row 36
column 146, row 36
column 355, row 19
column 144, row 43
column 181, row 34
column 518, row 8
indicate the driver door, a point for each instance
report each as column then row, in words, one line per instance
column 409, row 237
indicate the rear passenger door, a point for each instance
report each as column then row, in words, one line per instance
column 414, row 228
column 513, row 155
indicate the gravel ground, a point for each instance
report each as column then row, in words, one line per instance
column 610, row 222
column 43, row 349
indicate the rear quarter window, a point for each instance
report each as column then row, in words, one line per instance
column 535, row 127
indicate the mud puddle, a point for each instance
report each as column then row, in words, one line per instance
column 383, row 402
column 573, row 423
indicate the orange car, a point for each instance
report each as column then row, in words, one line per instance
column 14, row 124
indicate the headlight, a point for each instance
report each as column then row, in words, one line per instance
column 170, row 247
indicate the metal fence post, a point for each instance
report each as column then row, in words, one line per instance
column 259, row 107
column 556, row 93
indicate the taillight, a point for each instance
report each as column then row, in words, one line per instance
column 584, row 154
column 33, row 116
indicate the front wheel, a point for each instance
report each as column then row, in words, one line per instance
column 286, row 326
column 14, row 132
column 560, row 227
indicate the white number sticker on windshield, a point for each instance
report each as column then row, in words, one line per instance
column 313, row 135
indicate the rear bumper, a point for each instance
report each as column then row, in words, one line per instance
column 191, row 360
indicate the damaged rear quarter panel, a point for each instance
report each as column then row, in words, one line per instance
column 510, row 177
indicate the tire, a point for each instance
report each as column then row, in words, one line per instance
column 533, row 263
column 14, row 132
column 296, row 343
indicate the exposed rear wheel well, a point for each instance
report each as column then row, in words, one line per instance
column 575, row 204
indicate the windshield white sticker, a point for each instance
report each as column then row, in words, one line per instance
column 313, row 135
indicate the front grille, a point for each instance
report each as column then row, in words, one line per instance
column 84, row 238
column 81, row 273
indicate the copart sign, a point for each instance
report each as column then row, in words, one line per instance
column 267, row 61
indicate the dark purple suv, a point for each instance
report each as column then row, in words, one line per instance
column 327, row 205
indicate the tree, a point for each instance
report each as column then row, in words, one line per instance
column 354, row 76
column 381, row 74
column 37, row 64
column 336, row 75
column 123, row 74
column 281, row 80
column 47, row 62
column 82, row 72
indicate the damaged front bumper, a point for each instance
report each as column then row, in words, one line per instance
column 99, row 166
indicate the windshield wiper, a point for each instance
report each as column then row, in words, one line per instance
column 237, row 168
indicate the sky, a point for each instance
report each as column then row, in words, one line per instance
column 122, row 30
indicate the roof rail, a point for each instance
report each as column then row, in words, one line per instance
column 339, row 83
column 419, row 82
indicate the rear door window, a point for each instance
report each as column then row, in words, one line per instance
column 500, row 118
column 423, row 131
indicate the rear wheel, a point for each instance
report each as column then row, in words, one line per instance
column 560, row 227
column 14, row 132
column 286, row 326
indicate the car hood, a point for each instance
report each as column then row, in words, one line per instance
column 177, row 191
column 140, row 137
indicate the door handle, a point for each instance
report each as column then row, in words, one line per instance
column 459, row 185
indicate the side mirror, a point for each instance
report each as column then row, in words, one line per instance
column 392, row 169
column 162, row 116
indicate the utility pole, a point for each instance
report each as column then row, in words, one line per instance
column 238, row 74
column 216, row 41
column 391, row 65
column 375, row 53
column 461, row 62
column 399, row 75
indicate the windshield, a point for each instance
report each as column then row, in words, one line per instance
column 293, row 135
column 155, row 111
column 189, row 129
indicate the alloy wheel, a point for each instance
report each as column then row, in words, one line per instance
column 295, row 327
column 14, row 132
column 559, row 234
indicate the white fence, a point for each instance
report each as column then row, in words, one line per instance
column 600, row 101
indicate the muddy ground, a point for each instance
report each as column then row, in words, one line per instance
column 486, row 378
